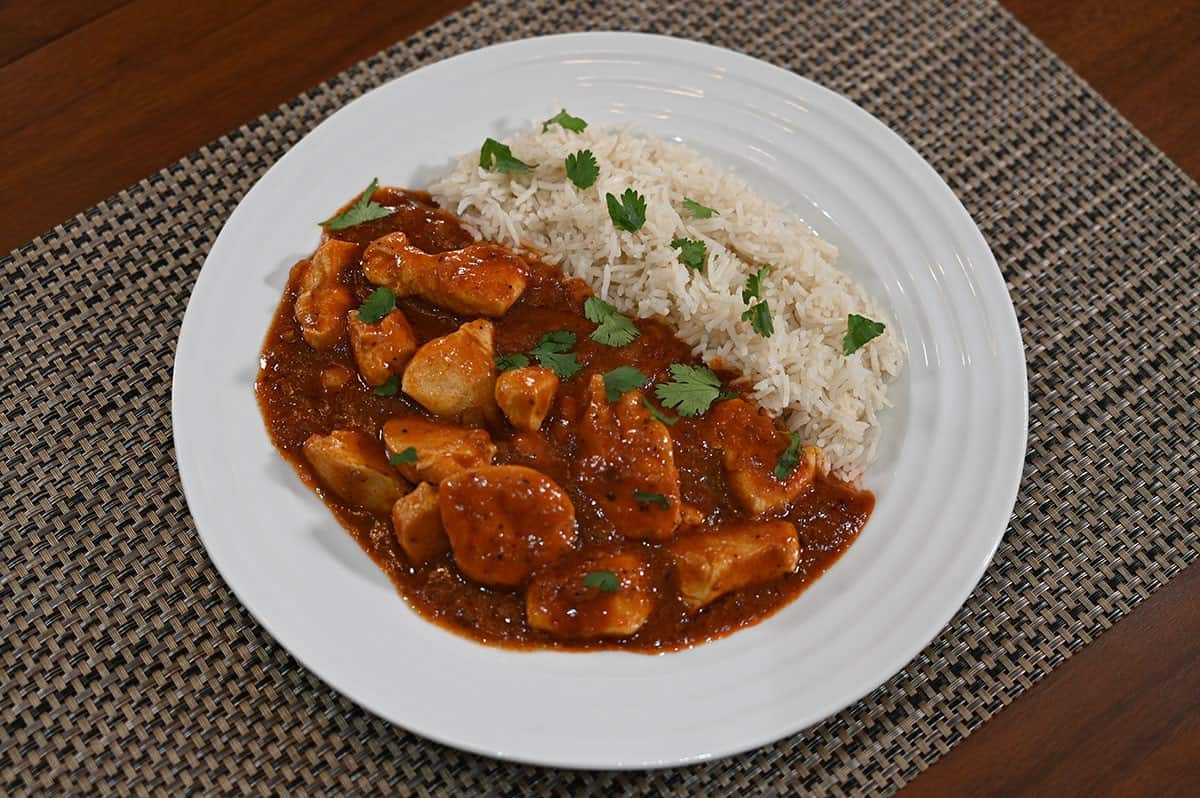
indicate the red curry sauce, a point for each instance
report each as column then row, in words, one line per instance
column 295, row 405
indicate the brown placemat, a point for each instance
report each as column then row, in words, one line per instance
column 128, row 666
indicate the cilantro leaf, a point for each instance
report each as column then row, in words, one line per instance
column 389, row 388
column 605, row 581
column 511, row 361
column 381, row 302
column 622, row 379
column 646, row 497
column 582, row 168
column 754, row 284
column 554, row 343
column 789, row 459
column 658, row 414
column 565, row 366
column 698, row 210
column 692, row 252
column 363, row 210
column 409, row 455
column 615, row 330
column 859, row 330
column 497, row 157
column 691, row 391
column 629, row 213
column 551, row 352
column 563, row 119
column 759, row 316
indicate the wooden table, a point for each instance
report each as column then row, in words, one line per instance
column 100, row 93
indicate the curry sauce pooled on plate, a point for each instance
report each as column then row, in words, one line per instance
column 531, row 467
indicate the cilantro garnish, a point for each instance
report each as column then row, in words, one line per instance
column 692, row 252
column 698, row 210
column 554, row 342
column 565, row 366
column 563, row 119
column 552, row 351
column 389, row 388
column 754, row 284
column 582, row 168
column 859, row 330
column 622, row 379
column 629, row 213
column 789, row 459
column 497, row 157
column 646, row 497
column 409, row 455
column 514, row 360
column 691, row 391
column 658, row 414
column 603, row 580
column 381, row 302
column 363, row 210
column 759, row 316
column 615, row 329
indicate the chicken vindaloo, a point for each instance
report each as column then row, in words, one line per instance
column 531, row 467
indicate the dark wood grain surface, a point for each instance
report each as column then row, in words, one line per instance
column 100, row 93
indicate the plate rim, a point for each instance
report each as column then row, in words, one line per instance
column 988, row 269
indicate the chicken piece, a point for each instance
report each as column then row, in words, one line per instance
column 751, row 447
column 335, row 377
column 477, row 280
column 532, row 449
column 504, row 522
column 418, row 524
column 455, row 376
column 353, row 466
column 626, row 465
column 709, row 564
column 559, row 602
column 525, row 395
column 322, row 301
column 381, row 350
column 442, row 450
column 691, row 515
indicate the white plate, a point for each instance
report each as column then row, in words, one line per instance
column 946, row 477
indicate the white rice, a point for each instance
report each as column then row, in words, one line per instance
column 832, row 399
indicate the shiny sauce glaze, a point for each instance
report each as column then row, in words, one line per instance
column 296, row 403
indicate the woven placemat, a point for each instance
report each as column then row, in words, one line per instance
column 128, row 666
